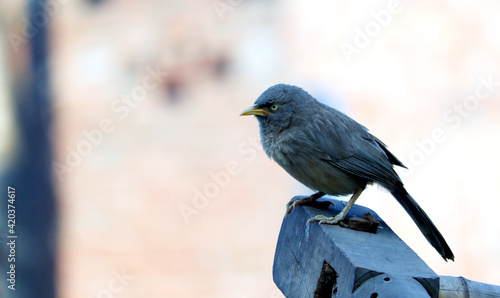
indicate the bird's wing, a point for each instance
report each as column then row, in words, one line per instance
column 393, row 159
column 368, row 169
column 347, row 145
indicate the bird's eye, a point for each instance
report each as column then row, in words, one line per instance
column 274, row 107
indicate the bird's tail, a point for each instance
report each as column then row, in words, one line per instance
column 423, row 222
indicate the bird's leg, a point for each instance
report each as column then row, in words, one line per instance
column 310, row 200
column 339, row 217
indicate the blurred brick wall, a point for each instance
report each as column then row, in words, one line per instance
column 120, row 204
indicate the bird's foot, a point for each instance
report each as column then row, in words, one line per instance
column 291, row 205
column 321, row 219
column 309, row 201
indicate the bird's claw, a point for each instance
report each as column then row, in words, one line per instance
column 321, row 219
column 291, row 205
column 318, row 204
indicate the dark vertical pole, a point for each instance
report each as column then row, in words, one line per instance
column 30, row 175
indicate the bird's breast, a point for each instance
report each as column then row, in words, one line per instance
column 279, row 147
column 297, row 155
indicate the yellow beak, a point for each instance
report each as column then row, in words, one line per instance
column 254, row 111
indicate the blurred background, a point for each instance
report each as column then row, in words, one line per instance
column 135, row 176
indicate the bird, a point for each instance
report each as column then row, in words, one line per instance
column 331, row 153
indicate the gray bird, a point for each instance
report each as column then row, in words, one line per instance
column 332, row 154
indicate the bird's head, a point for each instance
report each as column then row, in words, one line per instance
column 277, row 106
